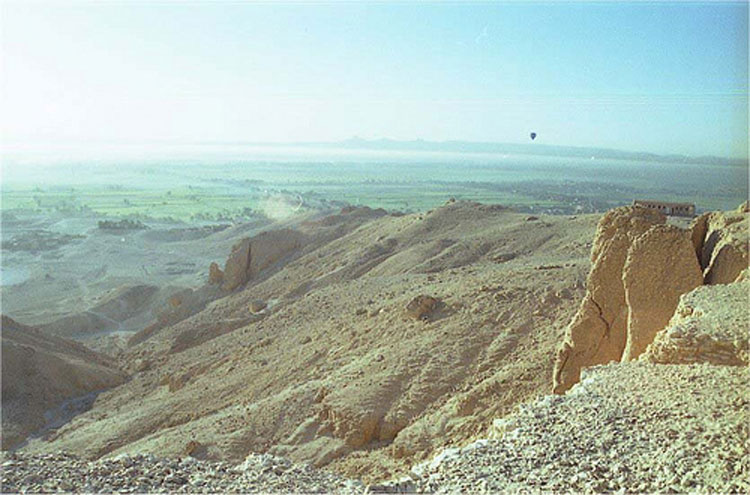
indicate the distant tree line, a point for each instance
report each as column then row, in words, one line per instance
column 124, row 224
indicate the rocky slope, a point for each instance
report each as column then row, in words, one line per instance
column 686, row 431
column 148, row 474
column 376, row 349
column 39, row 373
column 383, row 340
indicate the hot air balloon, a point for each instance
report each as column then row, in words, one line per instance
column 533, row 135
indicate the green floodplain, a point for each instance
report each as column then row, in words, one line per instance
column 247, row 183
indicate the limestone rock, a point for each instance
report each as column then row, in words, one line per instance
column 728, row 261
column 237, row 266
column 251, row 256
column 698, row 233
column 598, row 332
column 661, row 265
column 724, row 247
column 215, row 274
column 710, row 325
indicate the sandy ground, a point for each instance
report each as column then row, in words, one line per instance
column 49, row 276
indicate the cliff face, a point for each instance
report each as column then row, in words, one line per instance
column 640, row 268
column 40, row 372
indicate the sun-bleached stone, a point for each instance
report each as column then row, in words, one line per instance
column 660, row 266
column 711, row 324
column 598, row 332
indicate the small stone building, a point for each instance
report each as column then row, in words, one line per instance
column 672, row 209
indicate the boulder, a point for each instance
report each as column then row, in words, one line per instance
column 729, row 259
column 661, row 265
column 256, row 306
column 421, row 307
column 710, row 325
column 598, row 332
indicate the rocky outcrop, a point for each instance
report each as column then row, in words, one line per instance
column 721, row 238
column 710, row 325
column 661, row 266
column 598, row 332
column 215, row 274
column 251, row 256
column 40, row 372
column 640, row 268
column 236, row 270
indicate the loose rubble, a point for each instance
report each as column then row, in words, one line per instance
column 149, row 474
column 635, row 427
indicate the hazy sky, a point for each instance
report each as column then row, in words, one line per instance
column 667, row 77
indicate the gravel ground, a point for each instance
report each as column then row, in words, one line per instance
column 638, row 427
column 635, row 428
column 149, row 474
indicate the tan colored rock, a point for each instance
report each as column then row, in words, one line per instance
column 698, row 233
column 191, row 448
column 177, row 381
column 711, row 324
column 744, row 207
column 237, row 266
column 256, row 306
column 728, row 261
column 215, row 274
column 268, row 248
column 251, row 256
column 724, row 251
column 661, row 265
column 421, row 307
column 598, row 332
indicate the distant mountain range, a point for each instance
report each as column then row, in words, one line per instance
column 525, row 149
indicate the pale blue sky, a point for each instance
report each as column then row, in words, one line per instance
column 666, row 77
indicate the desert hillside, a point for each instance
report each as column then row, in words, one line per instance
column 364, row 342
column 422, row 348
column 40, row 373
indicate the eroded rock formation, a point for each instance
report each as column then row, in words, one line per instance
column 660, row 267
column 721, row 238
column 251, row 256
column 640, row 268
column 598, row 332
column 215, row 274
